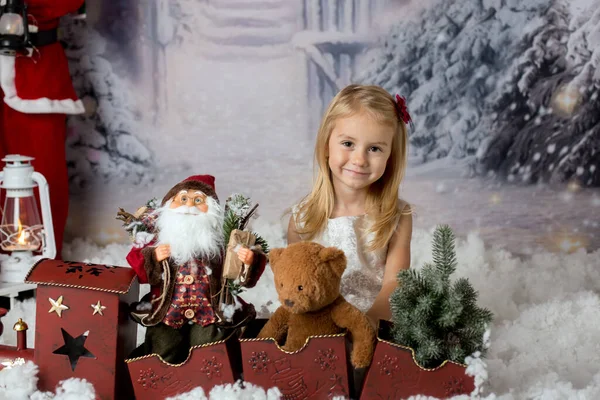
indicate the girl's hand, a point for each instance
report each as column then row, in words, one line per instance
column 245, row 255
column 162, row 252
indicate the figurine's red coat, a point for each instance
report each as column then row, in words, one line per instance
column 38, row 93
column 135, row 258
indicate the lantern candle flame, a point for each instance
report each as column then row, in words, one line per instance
column 21, row 233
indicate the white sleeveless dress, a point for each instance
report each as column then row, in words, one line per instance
column 363, row 277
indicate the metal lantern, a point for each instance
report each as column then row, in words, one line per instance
column 14, row 28
column 21, row 229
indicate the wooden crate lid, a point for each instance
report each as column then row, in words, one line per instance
column 104, row 278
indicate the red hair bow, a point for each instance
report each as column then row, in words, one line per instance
column 402, row 111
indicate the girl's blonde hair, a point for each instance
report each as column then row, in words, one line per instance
column 382, row 200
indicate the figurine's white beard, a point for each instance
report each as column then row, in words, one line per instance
column 191, row 233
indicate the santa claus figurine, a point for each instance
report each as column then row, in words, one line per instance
column 183, row 263
column 38, row 94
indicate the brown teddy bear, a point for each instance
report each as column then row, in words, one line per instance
column 307, row 278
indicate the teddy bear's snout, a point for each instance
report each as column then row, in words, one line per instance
column 288, row 303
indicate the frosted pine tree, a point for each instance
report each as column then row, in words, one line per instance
column 447, row 61
column 102, row 143
column 546, row 119
column 437, row 318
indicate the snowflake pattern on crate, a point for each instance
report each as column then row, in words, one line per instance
column 148, row 379
column 454, row 386
column 211, row 368
column 326, row 359
column 388, row 366
column 259, row 362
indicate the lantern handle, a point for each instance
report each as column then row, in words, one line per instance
column 49, row 250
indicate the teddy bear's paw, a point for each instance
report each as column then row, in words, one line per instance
column 289, row 347
column 360, row 361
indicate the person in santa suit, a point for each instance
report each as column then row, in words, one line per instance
column 183, row 263
column 38, row 95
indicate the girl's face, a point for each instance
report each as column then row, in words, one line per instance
column 358, row 150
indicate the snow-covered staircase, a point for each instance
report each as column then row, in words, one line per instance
column 249, row 28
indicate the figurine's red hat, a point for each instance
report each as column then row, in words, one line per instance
column 204, row 183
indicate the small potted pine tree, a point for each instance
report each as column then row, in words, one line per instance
column 435, row 325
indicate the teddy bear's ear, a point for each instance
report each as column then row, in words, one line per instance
column 273, row 256
column 335, row 257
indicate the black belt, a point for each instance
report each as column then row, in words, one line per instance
column 43, row 38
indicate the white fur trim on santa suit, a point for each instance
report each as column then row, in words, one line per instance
column 42, row 105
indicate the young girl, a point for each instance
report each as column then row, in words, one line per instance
column 361, row 158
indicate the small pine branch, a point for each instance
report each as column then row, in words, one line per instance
column 421, row 356
column 465, row 291
column 456, row 353
column 451, row 311
column 230, row 223
column 484, row 315
column 434, row 279
column 153, row 203
column 425, row 306
column 234, row 288
column 411, row 280
column 444, row 256
column 260, row 241
column 433, row 348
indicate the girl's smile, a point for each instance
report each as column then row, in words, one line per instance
column 356, row 173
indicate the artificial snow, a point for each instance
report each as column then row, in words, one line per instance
column 18, row 382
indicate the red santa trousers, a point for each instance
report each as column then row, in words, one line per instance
column 41, row 136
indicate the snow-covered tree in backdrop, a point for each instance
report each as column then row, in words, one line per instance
column 447, row 60
column 546, row 118
column 119, row 23
column 102, row 143
column 513, row 81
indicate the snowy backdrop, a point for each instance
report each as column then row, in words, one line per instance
column 504, row 94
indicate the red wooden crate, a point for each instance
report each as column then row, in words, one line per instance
column 394, row 373
column 83, row 329
column 207, row 366
column 320, row 370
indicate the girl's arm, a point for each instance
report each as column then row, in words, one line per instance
column 398, row 258
column 292, row 235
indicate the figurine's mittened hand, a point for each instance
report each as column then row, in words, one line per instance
column 162, row 252
column 246, row 255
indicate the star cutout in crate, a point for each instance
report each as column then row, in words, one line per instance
column 74, row 348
